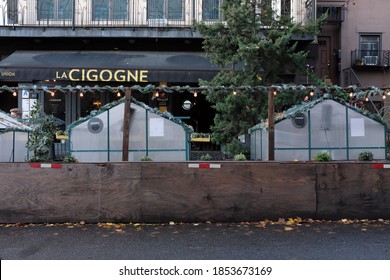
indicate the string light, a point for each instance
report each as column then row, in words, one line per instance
column 351, row 94
column 118, row 94
column 81, row 94
column 388, row 92
column 367, row 99
column 52, row 93
column 195, row 94
column 234, row 92
column 312, row 93
column 156, row 94
column 383, row 96
column 14, row 93
column 275, row 93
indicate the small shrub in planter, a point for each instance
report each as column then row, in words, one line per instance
column 206, row 157
column 146, row 158
column 323, row 156
column 366, row 155
column 240, row 156
column 70, row 159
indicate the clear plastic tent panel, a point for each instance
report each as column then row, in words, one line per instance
column 13, row 146
column 137, row 136
column 289, row 136
column 328, row 125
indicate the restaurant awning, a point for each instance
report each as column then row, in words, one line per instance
column 106, row 66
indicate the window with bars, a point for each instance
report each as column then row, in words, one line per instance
column 55, row 9
column 165, row 9
column 110, row 10
column 285, row 8
column 370, row 48
column 211, row 9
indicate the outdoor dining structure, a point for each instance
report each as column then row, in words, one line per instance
column 321, row 125
column 153, row 135
column 13, row 139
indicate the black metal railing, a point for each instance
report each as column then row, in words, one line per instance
column 370, row 58
column 123, row 13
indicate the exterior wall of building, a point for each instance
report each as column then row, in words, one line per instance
column 366, row 18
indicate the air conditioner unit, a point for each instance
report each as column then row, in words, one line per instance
column 158, row 22
column 370, row 60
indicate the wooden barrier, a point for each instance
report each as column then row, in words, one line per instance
column 192, row 192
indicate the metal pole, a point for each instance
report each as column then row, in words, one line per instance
column 271, row 124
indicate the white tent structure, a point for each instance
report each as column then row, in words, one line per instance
column 13, row 139
column 321, row 125
column 153, row 134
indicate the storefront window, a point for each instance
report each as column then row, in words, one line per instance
column 165, row 9
column 54, row 104
column 55, row 9
column 110, row 9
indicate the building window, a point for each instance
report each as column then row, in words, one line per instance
column 165, row 9
column 110, row 10
column 370, row 49
column 12, row 11
column 266, row 11
column 285, row 8
column 211, row 9
column 55, row 9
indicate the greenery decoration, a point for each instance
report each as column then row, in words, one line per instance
column 366, row 155
column 41, row 137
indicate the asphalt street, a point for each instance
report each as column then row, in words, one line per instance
column 282, row 240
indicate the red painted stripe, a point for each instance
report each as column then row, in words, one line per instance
column 377, row 166
column 204, row 165
column 39, row 165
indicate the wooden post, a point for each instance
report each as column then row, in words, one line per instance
column 126, row 126
column 271, row 124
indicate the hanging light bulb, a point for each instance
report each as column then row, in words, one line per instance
column 15, row 93
column 366, row 98
column 275, row 92
column 52, row 93
column 312, row 93
column 384, row 96
column 81, row 94
column 195, row 94
column 234, row 92
column 118, row 94
column 156, row 94
column 351, row 94
column 388, row 92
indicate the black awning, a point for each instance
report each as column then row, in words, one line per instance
column 106, row 66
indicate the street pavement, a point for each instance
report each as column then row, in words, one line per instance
column 279, row 240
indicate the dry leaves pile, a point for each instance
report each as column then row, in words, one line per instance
column 289, row 224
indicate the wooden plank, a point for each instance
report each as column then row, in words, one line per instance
column 235, row 192
column 120, row 193
column 352, row 190
column 34, row 195
column 126, row 126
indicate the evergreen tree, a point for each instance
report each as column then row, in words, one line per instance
column 253, row 47
column 41, row 137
